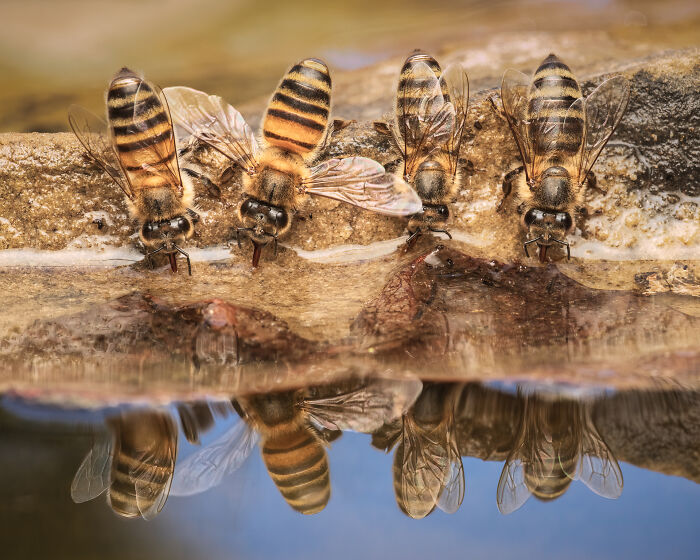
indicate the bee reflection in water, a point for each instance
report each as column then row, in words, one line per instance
column 427, row 470
column 134, row 462
column 557, row 443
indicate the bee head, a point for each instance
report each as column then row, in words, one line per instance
column 263, row 221
column 547, row 227
column 167, row 236
column 166, row 233
column 430, row 180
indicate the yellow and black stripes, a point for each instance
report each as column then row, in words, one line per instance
column 297, row 116
column 142, row 130
column 143, row 461
column 553, row 123
column 298, row 465
column 412, row 87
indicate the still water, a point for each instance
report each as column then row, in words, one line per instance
column 226, row 499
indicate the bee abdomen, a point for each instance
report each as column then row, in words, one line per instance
column 412, row 88
column 141, row 127
column 298, row 465
column 554, row 90
column 297, row 116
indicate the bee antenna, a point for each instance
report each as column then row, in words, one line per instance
column 529, row 243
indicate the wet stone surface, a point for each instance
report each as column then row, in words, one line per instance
column 443, row 316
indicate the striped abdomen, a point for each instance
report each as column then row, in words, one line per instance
column 297, row 116
column 410, row 86
column 555, row 478
column 142, row 131
column 298, row 465
column 145, row 447
column 553, row 126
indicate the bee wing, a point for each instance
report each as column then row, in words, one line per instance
column 426, row 122
column 514, row 89
column 458, row 87
column 208, row 466
column 161, row 158
column 597, row 467
column 603, row 110
column 365, row 183
column 211, row 120
column 425, row 469
column 512, row 491
column 93, row 134
column 365, row 409
column 92, row 477
column 147, row 474
column 452, row 494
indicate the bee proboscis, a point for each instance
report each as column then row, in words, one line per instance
column 281, row 171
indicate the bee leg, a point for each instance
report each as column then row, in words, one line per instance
column 592, row 183
column 500, row 112
column 435, row 230
column 340, row 124
column 193, row 216
column 213, row 188
column 184, row 254
column 413, row 235
column 507, row 185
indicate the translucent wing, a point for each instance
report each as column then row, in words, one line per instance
column 514, row 89
column 425, row 468
column 425, row 120
column 458, row 87
column 365, row 183
column 365, row 409
column 151, row 490
column 603, row 109
column 452, row 493
column 210, row 119
column 155, row 158
column 93, row 134
column 597, row 467
column 512, row 492
column 92, row 477
column 208, row 466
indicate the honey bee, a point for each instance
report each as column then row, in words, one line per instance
column 427, row 469
column 428, row 130
column 134, row 464
column 138, row 152
column 556, row 444
column 280, row 171
column 560, row 134
column 294, row 428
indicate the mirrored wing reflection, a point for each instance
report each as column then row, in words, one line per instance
column 546, row 440
column 134, row 463
column 427, row 469
column 557, row 443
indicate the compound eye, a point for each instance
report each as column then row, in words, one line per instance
column 443, row 212
column 150, row 230
column 533, row 215
column 564, row 220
